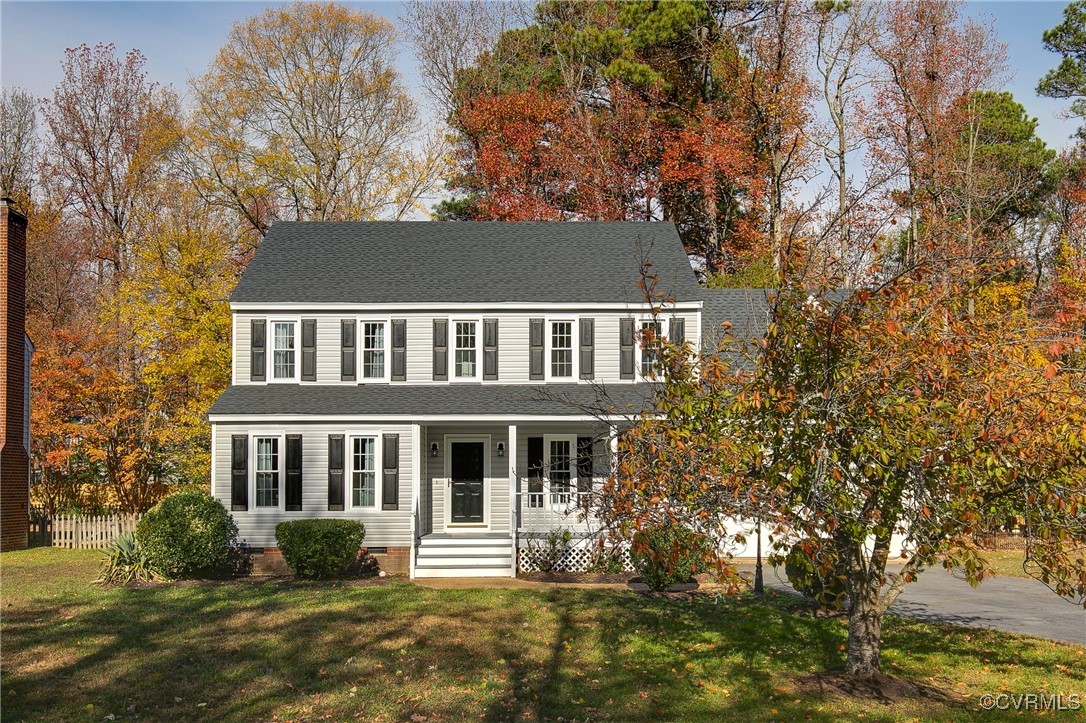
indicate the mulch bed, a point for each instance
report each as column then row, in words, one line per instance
column 880, row 687
column 580, row 577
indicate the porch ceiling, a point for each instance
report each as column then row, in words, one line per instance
column 432, row 401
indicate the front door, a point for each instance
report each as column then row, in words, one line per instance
column 467, row 482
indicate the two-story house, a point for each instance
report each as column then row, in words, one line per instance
column 453, row 386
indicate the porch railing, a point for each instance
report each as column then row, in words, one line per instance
column 544, row 506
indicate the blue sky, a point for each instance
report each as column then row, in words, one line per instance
column 180, row 38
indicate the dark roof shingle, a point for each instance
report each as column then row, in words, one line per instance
column 432, row 400
column 388, row 262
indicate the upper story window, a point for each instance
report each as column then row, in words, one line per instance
column 373, row 350
column 267, row 471
column 363, row 471
column 283, row 350
column 561, row 349
column 466, row 349
column 651, row 337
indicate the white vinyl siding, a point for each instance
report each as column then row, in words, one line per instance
column 256, row 527
column 513, row 349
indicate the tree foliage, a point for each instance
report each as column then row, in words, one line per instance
column 1068, row 79
column 303, row 116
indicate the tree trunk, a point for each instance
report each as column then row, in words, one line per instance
column 864, row 628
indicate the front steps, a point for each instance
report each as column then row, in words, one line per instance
column 465, row 554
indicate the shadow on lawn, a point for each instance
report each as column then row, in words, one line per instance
column 303, row 650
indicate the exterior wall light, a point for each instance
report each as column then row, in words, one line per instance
column 501, row 449
column 433, row 449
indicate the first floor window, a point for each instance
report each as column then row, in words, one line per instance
column 562, row 349
column 465, row 350
column 267, row 471
column 373, row 350
column 650, row 346
column 364, row 472
column 560, row 466
column 283, row 350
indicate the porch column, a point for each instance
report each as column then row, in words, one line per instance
column 514, row 496
column 416, row 484
column 612, row 432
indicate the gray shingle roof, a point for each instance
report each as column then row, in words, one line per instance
column 463, row 262
column 431, row 400
column 746, row 309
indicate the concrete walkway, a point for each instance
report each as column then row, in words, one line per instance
column 1010, row 604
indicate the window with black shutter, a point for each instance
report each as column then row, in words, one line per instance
column 309, row 350
column 390, row 490
column 258, row 359
column 399, row 350
column 335, row 472
column 294, row 473
column 239, row 472
column 626, row 348
column 535, row 349
column 490, row 348
column 441, row 350
column 348, row 366
column 535, row 472
column 588, row 348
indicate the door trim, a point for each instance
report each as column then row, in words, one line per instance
column 466, row 526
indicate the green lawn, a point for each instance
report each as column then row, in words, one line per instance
column 243, row 650
column 1007, row 563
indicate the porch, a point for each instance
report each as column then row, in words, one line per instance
column 484, row 489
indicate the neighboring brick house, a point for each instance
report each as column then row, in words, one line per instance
column 442, row 382
column 15, row 351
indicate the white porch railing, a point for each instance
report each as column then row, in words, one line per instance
column 544, row 506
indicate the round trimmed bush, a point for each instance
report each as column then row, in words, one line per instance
column 669, row 555
column 187, row 534
column 814, row 572
column 319, row 549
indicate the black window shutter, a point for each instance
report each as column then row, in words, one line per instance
column 626, row 348
column 335, row 472
column 399, row 350
column 348, row 368
column 390, row 492
column 535, row 465
column 588, row 348
column 294, row 473
column 678, row 331
column 258, row 358
column 535, row 351
column 239, row 473
column 584, row 464
column 490, row 348
column 309, row 350
column 441, row 350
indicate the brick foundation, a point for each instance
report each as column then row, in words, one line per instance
column 270, row 561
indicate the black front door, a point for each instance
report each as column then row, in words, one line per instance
column 467, row 482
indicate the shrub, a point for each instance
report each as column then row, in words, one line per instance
column 546, row 554
column 669, row 554
column 814, row 572
column 187, row 534
column 319, row 548
column 126, row 561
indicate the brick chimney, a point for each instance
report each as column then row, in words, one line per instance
column 14, row 381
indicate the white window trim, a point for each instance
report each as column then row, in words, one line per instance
column 269, row 349
column 281, row 435
column 451, row 526
column 548, row 491
column 360, row 350
column 348, row 487
column 665, row 331
column 451, row 348
column 548, row 343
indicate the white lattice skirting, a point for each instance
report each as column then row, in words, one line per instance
column 576, row 557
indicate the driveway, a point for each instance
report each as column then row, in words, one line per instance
column 1003, row 603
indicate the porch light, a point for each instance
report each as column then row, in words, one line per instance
column 433, row 449
column 501, row 449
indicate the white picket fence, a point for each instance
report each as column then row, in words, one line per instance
column 92, row 532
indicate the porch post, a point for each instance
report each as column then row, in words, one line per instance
column 514, row 497
column 416, row 484
column 613, row 443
